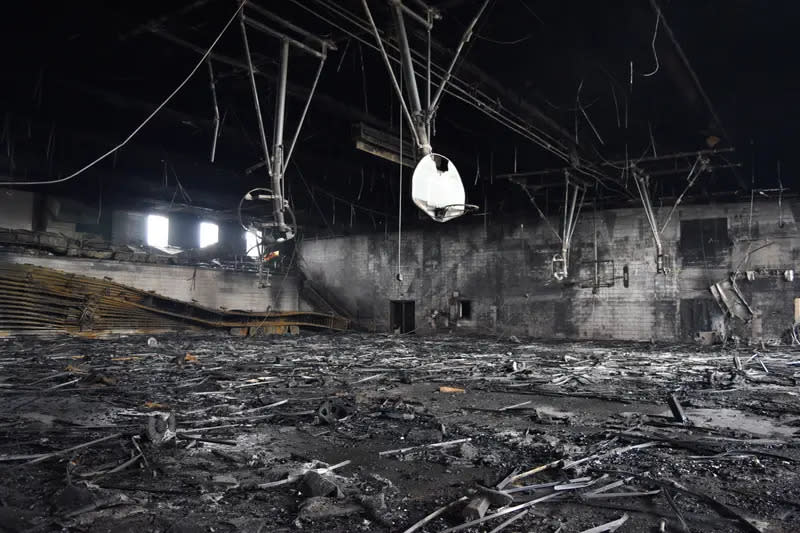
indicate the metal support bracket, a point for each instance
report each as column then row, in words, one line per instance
column 278, row 161
column 572, row 211
column 419, row 119
column 574, row 195
column 642, row 181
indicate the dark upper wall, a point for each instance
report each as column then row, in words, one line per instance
column 505, row 270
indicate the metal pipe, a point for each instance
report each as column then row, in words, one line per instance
column 538, row 210
column 596, row 284
column 687, row 169
column 578, row 213
column 303, row 115
column 391, row 71
column 464, row 39
column 216, row 110
column 324, row 43
column 566, row 204
column 251, row 71
column 676, row 155
column 426, row 7
column 648, row 209
column 469, row 97
column 282, row 36
column 428, row 82
column 413, row 14
column 407, row 68
column 571, row 220
column 280, row 112
column 691, row 178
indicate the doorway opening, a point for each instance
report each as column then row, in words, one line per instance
column 401, row 316
column 465, row 310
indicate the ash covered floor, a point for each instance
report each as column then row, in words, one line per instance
column 376, row 433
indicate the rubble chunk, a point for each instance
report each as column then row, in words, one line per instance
column 476, row 508
column 314, row 484
column 424, row 435
column 321, row 507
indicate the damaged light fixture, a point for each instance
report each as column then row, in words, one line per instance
column 436, row 186
column 278, row 229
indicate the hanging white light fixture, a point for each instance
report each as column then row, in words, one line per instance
column 436, row 188
column 436, row 185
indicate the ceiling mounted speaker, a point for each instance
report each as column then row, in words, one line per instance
column 436, row 188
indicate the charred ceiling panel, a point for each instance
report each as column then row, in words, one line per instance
column 705, row 242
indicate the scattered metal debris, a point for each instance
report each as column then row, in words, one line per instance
column 239, row 427
column 677, row 410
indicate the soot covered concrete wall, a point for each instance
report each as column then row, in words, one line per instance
column 504, row 269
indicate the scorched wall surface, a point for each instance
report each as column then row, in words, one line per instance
column 504, row 269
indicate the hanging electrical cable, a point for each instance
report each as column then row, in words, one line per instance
column 146, row 120
column 400, row 197
column 653, row 45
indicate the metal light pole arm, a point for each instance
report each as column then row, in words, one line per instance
column 263, row 28
column 251, row 71
column 411, row 13
column 391, row 71
column 464, row 39
column 280, row 112
column 213, row 85
column 694, row 173
column 641, row 185
column 407, row 68
column 305, row 111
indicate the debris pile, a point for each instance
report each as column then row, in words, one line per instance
column 378, row 433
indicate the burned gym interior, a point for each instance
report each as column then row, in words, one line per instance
column 399, row 266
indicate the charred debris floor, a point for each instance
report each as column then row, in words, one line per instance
column 359, row 432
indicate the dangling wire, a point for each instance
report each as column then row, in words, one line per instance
column 400, row 192
column 653, row 45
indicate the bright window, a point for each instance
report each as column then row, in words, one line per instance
column 252, row 239
column 157, row 231
column 209, row 234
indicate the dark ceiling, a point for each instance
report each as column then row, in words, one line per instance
column 80, row 76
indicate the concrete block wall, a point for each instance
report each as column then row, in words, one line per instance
column 17, row 209
column 505, row 270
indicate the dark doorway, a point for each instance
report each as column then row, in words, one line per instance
column 401, row 316
column 466, row 310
